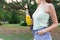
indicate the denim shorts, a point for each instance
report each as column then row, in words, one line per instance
column 46, row 36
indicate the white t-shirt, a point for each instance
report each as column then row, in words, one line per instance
column 40, row 18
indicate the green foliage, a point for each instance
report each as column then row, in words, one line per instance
column 0, row 23
column 31, row 7
column 14, row 18
column 23, row 23
column 4, row 15
column 57, row 7
column 13, row 14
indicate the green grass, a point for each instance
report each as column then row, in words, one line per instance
column 13, row 26
column 59, row 26
column 14, row 36
column 22, row 36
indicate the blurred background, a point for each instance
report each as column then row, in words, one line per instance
column 12, row 19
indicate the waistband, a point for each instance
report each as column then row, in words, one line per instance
column 40, row 28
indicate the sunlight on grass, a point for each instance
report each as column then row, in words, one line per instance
column 59, row 26
column 13, row 25
column 1, row 39
column 22, row 36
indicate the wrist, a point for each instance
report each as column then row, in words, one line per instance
column 45, row 31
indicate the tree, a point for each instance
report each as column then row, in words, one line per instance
column 31, row 7
column 10, row 11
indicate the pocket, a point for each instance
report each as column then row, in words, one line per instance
column 40, row 34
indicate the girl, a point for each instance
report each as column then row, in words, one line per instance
column 45, row 9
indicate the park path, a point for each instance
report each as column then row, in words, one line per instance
column 14, row 30
column 55, row 33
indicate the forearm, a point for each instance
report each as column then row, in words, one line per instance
column 52, row 27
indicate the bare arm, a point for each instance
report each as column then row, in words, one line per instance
column 53, row 15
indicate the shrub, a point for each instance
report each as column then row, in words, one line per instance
column 23, row 23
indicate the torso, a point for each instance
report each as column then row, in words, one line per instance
column 40, row 17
